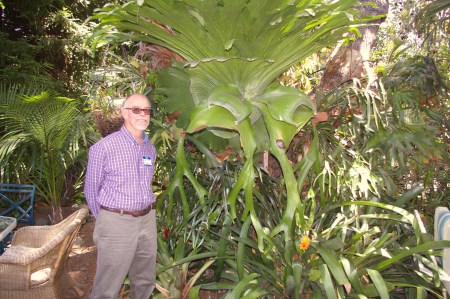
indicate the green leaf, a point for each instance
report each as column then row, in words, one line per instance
column 352, row 275
column 248, row 44
column 221, row 248
column 194, row 292
column 240, row 254
column 297, row 273
column 174, row 83
column 196, row 276
column 408, row 195
column 410, row 252
column 255, row 294
column 333, row 264
column 229, row 44
column 230, row 98
column 243, row 285
column 314, row 275
column 327, row 282
column 216, row 116
column 379, row 283
column 282, row 103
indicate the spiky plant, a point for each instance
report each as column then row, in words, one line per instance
column 234, row 52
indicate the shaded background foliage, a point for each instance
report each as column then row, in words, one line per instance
column 42, row 43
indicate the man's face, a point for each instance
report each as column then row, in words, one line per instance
column 140, row 121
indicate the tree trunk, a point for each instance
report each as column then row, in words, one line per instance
column 353, row 61
column 57, row 215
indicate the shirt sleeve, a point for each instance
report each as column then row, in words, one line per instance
column 154, row 155
column 94, row 178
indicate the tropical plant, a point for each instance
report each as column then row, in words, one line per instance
column 227, row 86
column 227, row 95
column 114, row 80
column 361, row 248
column 18, row 64
column 44, row 136
column 178, row 271
column 433, row 21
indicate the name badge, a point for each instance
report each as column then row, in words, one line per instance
column 147, row 161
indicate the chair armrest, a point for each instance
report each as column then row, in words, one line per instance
column 23, row 254
column 36, row 236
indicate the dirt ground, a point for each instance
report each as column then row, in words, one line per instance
column 82, row 260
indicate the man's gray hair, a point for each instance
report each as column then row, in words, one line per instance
column 133, row 94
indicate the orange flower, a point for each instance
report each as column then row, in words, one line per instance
column 304, row 243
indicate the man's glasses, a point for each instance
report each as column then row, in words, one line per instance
column 137, row 110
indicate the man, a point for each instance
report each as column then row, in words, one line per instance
column 119, row 194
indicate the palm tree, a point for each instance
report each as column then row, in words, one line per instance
column 44, row 136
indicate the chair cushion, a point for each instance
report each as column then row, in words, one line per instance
column 40, row 277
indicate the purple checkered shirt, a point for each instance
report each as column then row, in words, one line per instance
column 120, row 172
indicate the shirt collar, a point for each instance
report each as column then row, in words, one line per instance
column 128, row 135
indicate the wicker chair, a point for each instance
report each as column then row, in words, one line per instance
column 442, row 232
column 35, row 264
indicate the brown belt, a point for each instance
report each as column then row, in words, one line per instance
column 136, row 213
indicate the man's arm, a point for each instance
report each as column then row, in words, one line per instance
column 94, row 178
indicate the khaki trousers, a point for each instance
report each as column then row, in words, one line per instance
column 125, row 245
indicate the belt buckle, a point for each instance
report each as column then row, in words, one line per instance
column 136, row 213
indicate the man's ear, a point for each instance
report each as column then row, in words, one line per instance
column 124, row 113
